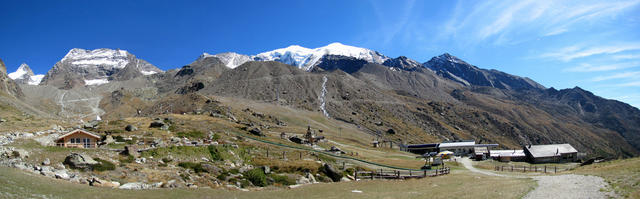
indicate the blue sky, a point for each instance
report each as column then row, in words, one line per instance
column 591, row 44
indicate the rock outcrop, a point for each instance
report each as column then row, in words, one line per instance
column 79, row 161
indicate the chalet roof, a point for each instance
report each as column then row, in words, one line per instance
column 79, row 131
column 507, row 153
column 457, row 144
column 550, row 150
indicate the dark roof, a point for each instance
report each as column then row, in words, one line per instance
column 412, row 146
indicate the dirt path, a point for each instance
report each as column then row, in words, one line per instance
column 557, row 186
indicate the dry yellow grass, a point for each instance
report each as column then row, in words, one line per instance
column 462, row 184
column 622, row 175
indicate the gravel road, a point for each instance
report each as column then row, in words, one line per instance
column 557, row 186
column 569, row 186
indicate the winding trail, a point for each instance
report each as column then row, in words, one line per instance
column 557, row 186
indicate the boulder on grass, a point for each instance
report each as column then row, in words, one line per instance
column 19, row 153
column 157, row 124
column 130, row 128
column 333, row 173
column 135, row 186
column 131, row 150
column 97, row 182
column 62, row 174
column 79, row 161
column 109, row 139
column 256, row 131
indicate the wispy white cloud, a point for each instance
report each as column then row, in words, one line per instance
column 574, row 52
column 623, row 75
column 505, row 21
column 630, row 84
column 626, row 56
column 586, row 67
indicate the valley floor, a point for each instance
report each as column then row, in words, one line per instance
column 460, row 184
column 464, row 182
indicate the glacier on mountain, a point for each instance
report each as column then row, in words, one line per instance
column 103, row 56
column 95, row 82
column 230, row 59
column 306, row 58
column 301, row 57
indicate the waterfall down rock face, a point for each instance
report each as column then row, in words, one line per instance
column 322, row 98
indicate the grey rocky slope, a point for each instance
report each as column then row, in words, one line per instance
column 93, row 67
column 7, row 85
column 458, row 70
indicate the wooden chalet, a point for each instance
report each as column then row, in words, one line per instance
column 78, row 139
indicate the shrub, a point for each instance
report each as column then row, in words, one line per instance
column 223, row 176
column 283, row 179
column 103, row 166
column 197, row 167
column 244, row 183
column 216, row 137
column 215, row 153
column 119, row 138
column 127, row 159
column 257, row 177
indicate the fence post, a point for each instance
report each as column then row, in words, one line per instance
column 398, row 174
column 545, row 168
column 555, row 169
column 511, row 168
column 410, row 173
column 535, row 168
column 425, row 173
column 267, row 152
column 372, row 173
column 301, row 155
column 283, row 154
column 355, row 175
column 343, row 166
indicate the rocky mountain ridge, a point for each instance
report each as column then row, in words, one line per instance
column 94, row 67
column 442, row 99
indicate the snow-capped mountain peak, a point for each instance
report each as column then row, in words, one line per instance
column 25, row 75
column 93, row 67
column 21, row 72
column 306, row 58
column 107, row 57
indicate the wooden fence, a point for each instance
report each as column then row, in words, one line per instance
column 400, row 174
column 525, row 169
